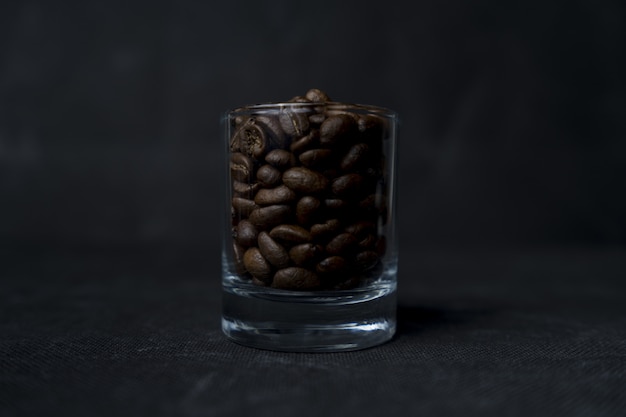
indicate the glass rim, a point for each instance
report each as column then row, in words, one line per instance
column 266, row 108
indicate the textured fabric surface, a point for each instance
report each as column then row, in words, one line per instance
column 89, row 331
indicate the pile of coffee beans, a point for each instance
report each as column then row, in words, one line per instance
column 308, row 193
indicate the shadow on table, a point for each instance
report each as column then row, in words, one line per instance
column 412, row 319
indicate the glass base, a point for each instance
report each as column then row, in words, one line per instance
column 329, row 321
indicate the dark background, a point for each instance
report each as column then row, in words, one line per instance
column 512, row 202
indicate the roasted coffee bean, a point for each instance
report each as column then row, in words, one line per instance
column 370, row 202
column 238, row 121
column 299, row 99
column 366, row 260
column 346, row 284
column 371, row 127
column 303, row 180
column 361, row 229
column 295, row 278
column 336, row 204
column 295, row 122
column 368, row 242
column 322, row 231
column 317, row 158
column 238, row 252
column 305, row 254
column 241, row 167
column 342, row 244
column 280, row 159
column 317, row 119
column 290, row 233
column 332, row 265
column 279, row 195
column 260, row 283
column 273, row 251
column 349, row 185
column 355, row 158
column 373, row 206
column 307, row 210
column 317, row 96
column 234, row 217
column 274, row 131
column 251, row 140
column 267, row 217
column 337, row 130
column 244, row 189
column 246, row 233
column 268, row 176
column 338, row 208
column 243, row 207
column 306, row 142
column 257, row 265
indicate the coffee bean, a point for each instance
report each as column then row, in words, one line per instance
column 324, row 230
column 355, row 158
column 241, row 167
column 257, row 265
column 368, row 242
column 244, row 189
column 273, row 251
column 337, row 130
column 338, row 208
column 280, row 159
column 317, row 158
column 305, row 254
column 374, row 207
column 274, row 131
column 317, row 96
column 238, row 252
column 366, row 260
column 335, row 204
column 317, row 119
column 260, row 283
column 267, row 217
column 343, row 243
column 361, row 229
column 306, row 142
column 299, row 99
column 346, row 284
column 246, row 233
column 371, row 127
column 349, row 185
column 237, row 121
column 290, row 233
column 251, row 140
column 303, row 180
column 307, row 210
column 243, row 207
column 295, row 122
column 268, row 176
column 279, row 195
column 295, row 278
column 332, row 265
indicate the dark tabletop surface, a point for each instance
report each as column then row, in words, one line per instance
column 135, row 331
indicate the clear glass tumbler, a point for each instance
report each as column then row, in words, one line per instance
column 310, row 259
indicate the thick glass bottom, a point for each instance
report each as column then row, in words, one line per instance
column 328, row 321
